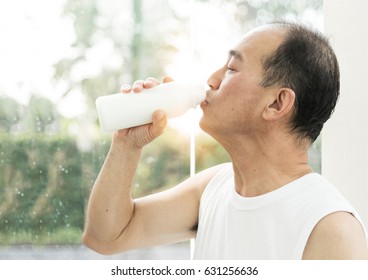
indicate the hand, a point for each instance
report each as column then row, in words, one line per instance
column 139, row 85
column 142, row 135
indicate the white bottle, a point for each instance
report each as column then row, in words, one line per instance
column 119, row 111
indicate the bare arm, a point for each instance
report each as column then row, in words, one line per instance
column 115, row 222
column 337, row 236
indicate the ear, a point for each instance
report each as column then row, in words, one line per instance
column 281, row 104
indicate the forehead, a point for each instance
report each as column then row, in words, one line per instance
column 260, row 42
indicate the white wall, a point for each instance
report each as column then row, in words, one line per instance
column 345, row 136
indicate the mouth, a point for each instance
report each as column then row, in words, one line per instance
column 204, row 105
column 205, row 102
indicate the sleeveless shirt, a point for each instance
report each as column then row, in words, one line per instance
column 275, row 225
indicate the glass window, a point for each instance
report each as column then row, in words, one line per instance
column 57, row 58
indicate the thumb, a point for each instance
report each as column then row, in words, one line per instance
column 159, row 122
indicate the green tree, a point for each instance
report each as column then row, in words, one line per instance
column 41, row 115
column 10, row 113
column 134, row 46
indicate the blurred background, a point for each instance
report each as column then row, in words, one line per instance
column 57, row 57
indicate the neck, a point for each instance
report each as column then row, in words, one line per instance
column 262, row 166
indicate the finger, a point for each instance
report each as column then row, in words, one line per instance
column 167, row 79
column 159, row 122
column 138, row 86
column 125, row 88
column 151, row 82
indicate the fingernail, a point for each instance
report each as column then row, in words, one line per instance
column 137, row 87
column 148, row 82
column 125, row 87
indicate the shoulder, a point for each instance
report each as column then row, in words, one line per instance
column 204, row 177
column 338, row 235
column 215, row 176
column 194, row 186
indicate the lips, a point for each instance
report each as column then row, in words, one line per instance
column 205, row 102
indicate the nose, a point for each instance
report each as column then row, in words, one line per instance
column 214, row 81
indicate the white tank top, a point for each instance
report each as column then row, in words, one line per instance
column 275, row 225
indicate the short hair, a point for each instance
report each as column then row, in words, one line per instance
column 306, row 63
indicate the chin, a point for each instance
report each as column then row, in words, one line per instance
column 202, row 123
column 206, row 126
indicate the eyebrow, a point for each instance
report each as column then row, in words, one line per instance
column 235, row 54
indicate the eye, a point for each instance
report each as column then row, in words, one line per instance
column 229, row 69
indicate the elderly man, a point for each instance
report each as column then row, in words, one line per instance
column 265, row 106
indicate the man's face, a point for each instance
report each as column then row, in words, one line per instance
column 235, row 102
